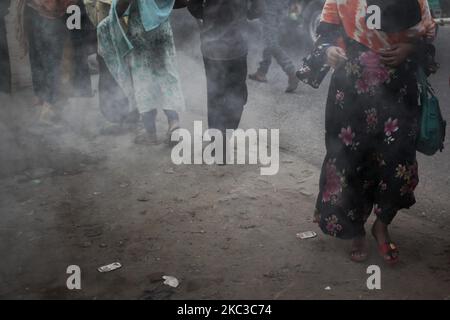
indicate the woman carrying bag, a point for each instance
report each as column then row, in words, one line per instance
column 372, row 116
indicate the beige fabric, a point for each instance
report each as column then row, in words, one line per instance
column 97, row 9
column 90, row 8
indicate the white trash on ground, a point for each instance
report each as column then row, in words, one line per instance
column 171, row 281
column 306, row 235
column 110, row 267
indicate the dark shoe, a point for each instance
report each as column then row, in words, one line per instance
column 293, row 84
column 146, row 139
column 112, row 130
column 257, row 76
column 174, row 126
column 116, row 129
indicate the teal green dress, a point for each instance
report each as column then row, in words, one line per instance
column 143, row 59
column 153, row 65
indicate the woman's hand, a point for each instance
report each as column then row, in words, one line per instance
column 397, row 54
column 431, row 32
column 336, row 56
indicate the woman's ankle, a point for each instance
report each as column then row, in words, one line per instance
column 149, row 121
column 173, row 119
column 380, row 231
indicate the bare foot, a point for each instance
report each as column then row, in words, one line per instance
column 359, row 249
column 380, row 232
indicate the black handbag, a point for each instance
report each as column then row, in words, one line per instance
column 314, row 68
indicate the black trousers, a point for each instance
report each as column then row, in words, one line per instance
column 5, row 66
column 272, row 22
column 84, row 43
column 46, row 39
column 227, row 92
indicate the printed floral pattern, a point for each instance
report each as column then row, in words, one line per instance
column 371, row 119
column 353, row 69
column 390, row 127
column 340, row 96
column 332, row 225
column 373, row 75
column 410, row 177
column 156, row 81
column 334, row 183
column 363, row 171
column 347, row 136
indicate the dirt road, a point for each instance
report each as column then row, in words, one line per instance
column 70, row 196
column 224, row 232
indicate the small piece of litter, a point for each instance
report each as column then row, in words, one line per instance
column 110, row 267
column 86, row 244
column 171, row 281
column 306, row 235
column 328, row 288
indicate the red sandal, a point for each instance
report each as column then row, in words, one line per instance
column 389, row 252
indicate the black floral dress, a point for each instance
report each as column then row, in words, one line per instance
column 372, row 117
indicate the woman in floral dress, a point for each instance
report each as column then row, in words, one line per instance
column 372, row 115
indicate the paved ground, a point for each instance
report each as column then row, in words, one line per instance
column 72, row 196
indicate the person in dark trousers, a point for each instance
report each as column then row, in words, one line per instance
column 43, row 33
column 224, row 25
column 84, row 43
column 272, row 20
column 5, row 66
